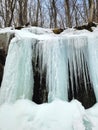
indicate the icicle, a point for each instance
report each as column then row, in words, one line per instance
column 93, row 62
column 54, row 59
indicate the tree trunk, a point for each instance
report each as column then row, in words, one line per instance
column 37, row 12
column 12, row 11
column 54, row 13
column 67, row 13
column 25, row 12
column 85, row 10
column 22, row 12
column 91, row 10
column 97, row 11
column 7, row 12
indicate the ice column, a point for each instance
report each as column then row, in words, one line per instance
column 54, row 59
column 18, row 74
column 93, row 61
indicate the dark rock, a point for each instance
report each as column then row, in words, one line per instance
column 87, row 27
column 58, row 30
column 2, row 56
column 2, row 63
column 27, row 24
column 19, row 27
column 1, row 73
column 91, row 24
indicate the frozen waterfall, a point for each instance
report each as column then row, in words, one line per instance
column 18, row 75
column 44, row 67
column 93, row 62
column 65, row 61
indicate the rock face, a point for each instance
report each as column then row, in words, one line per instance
column 2, row 63
column 1, row 72
column 5, row 38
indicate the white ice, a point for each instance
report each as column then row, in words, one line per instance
column 18, row 73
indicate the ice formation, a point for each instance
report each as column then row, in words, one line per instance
column 65, row 59
column 18, row 78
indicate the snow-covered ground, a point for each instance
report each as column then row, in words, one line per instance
column 59, row 115
column 17, row 113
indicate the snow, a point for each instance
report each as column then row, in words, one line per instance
column 59, row 115
column 26, row 115
column 17, row 111
column 93, row 116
